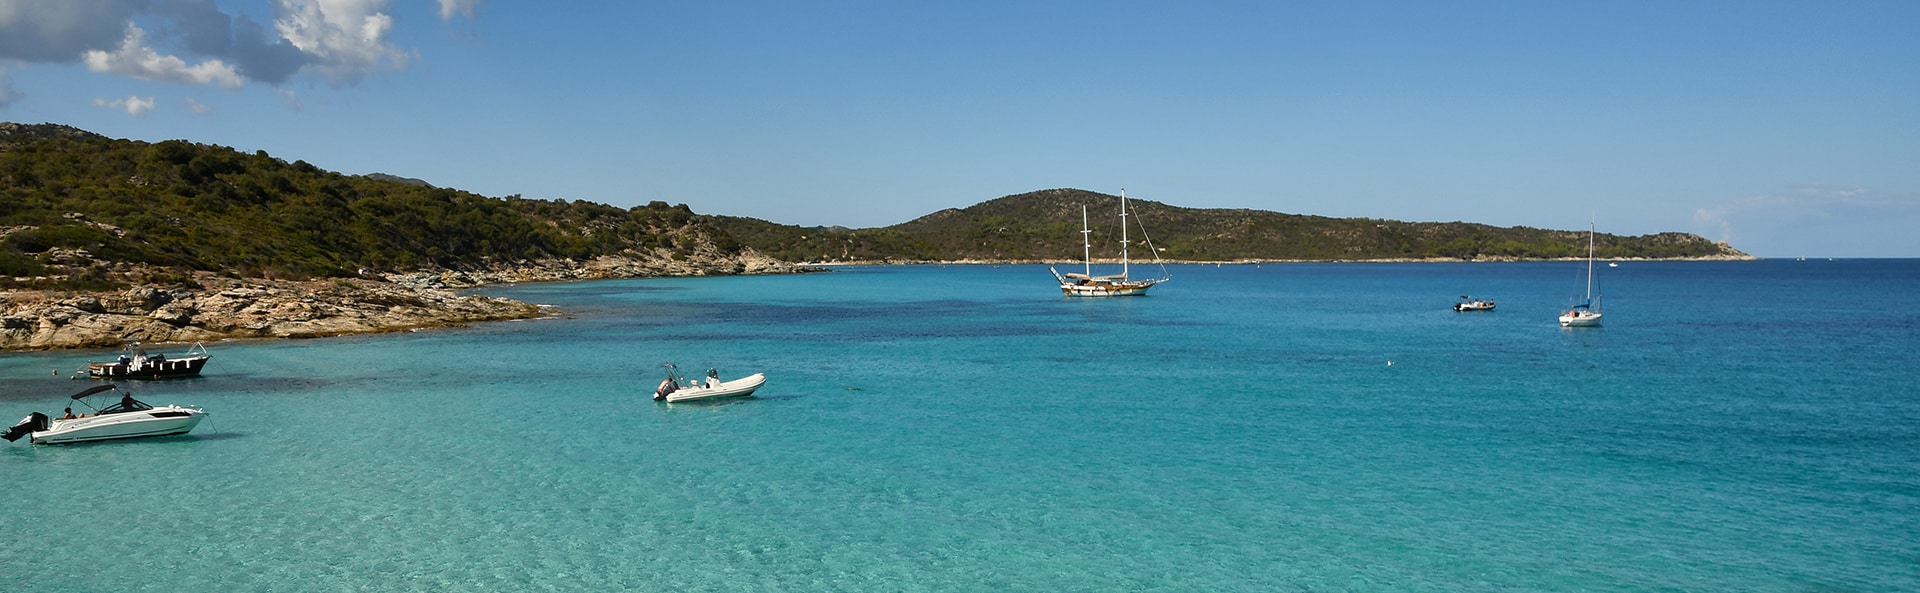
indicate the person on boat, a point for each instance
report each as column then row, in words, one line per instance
column 713, row 378
column 69, row 415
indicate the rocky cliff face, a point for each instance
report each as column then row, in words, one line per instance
column 221, row 307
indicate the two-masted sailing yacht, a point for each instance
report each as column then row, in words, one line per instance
column 1085, row 284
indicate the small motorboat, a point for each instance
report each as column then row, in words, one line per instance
column 675, row 389
column 125, row 419
column 135, row 363
column 1468, row 303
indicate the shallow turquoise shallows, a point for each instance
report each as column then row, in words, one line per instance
column 1734, row 426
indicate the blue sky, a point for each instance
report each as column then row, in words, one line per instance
column 1786, row 128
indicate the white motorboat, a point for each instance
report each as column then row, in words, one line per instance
column 675, row 389
column 1085, row 284
column 126, row 419
column 1587, row 312
column 1468, row 303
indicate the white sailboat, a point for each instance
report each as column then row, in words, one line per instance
column 1085, row 284
column 1587, row 312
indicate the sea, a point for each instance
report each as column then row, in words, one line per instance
column 1738, row 426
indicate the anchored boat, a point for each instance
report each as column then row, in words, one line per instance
column 135, row 363
column 1468, row 303
column 1586, row 313
column 125, row 419
column 1085, row 284
column 675, row 389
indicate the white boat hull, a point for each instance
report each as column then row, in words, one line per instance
column 1581, row 320
column 743, row 386
column 161, row 421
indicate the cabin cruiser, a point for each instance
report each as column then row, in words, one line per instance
column 675, row 389
column 135, row 363
column 125, row 419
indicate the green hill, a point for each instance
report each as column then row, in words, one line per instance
column 1045, row 225
column 82, row 211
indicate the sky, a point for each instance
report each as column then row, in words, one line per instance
column 1788, row 129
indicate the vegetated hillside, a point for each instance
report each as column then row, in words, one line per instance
column 82, row 211
column 1045, row 225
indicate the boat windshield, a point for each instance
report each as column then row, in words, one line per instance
column 126, row 404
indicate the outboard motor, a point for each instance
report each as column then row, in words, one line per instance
column 33, row 422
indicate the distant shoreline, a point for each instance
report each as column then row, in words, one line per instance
column 1116, row 261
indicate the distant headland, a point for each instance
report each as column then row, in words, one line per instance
column 1044, row 226
column 104, row 241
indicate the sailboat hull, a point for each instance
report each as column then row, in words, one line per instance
column 1107, row 288
column 1581, row 320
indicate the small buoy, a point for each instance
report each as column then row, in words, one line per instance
column 1389, row 363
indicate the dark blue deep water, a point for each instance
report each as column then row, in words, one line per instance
column 1735, row 426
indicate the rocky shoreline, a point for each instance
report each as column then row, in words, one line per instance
column 215, row 307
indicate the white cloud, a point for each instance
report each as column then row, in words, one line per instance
column 134, row 105
column 291, row 99
column 197, row 107
column 449, row 8
column 137, row 60
column 196, row 42
column 346, row 38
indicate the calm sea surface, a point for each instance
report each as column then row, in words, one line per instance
column 1735, row 426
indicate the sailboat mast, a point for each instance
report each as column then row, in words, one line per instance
column 1590, row 228
column 1123, row 234
column 1086, row 239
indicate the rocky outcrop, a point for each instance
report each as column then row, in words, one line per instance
column 222, row 307
column 233, row 308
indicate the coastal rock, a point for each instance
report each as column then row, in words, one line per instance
column 174, row 314
column 213, row 307
column 232, row 308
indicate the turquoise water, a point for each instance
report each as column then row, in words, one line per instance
column 1736, row 426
